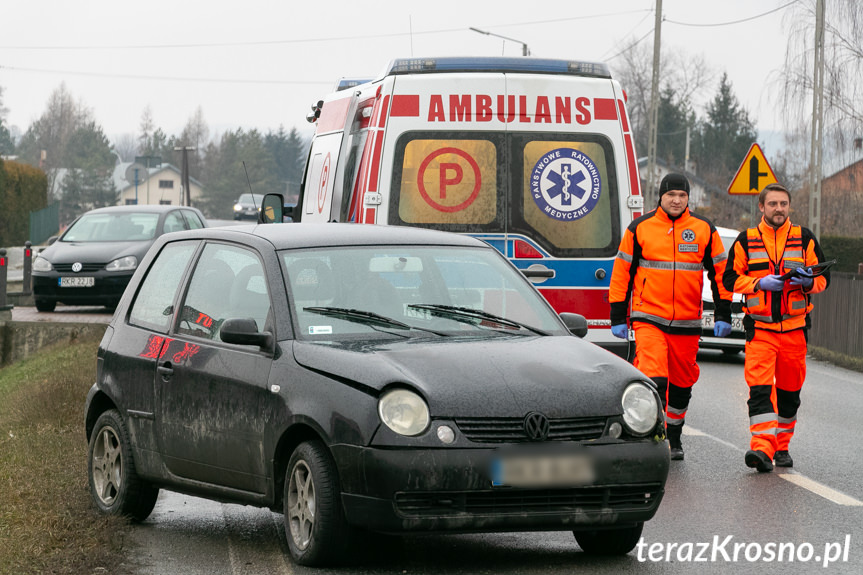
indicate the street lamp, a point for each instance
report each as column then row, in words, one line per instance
column 525, row 51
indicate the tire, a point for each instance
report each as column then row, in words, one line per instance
column 731, row 351
column 44, row 305
column 609, row 541
column 315, row 525
column 114, row 483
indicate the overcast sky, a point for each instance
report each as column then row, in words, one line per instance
column 261, row 64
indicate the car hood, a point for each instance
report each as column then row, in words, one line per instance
column 561, row 376
column 94, row 252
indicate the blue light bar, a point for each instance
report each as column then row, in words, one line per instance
column 345, row 83
column 525, row 65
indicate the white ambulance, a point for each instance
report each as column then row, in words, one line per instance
column 534, row 156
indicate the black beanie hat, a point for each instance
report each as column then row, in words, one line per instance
column 674, row 182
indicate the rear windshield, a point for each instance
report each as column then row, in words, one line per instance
column 557, row 189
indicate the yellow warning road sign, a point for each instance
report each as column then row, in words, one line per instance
column 754, row 173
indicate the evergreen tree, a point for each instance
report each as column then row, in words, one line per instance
column 724, row 136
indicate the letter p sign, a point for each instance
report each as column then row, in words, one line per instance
column 446, row 169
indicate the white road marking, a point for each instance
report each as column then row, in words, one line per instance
column 791, row 476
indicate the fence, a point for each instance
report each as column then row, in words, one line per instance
column 44, row 223
column 837, row 320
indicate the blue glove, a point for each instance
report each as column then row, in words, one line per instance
column 803, row 278
column 771, row 283
column 619, row 330
column 721, row 328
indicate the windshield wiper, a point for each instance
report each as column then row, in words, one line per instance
column 366, row 317
column 473, row 316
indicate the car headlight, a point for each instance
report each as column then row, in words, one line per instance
column 404, row 412
column 640, row 409
column 40, row 264
column 238, row 208
column 122, row 264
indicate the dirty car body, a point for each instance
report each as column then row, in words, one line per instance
column 383, row 378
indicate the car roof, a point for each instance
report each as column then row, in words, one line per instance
column 727, row 232
column 299, row 235
column 140, row 208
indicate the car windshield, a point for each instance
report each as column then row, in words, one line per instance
column 250, row 199
column 113, row 227
column 412, row 290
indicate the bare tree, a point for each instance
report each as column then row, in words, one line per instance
column 843, row 100
column 126, row 145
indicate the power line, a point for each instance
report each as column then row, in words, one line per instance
column 311, row 40
column 169, row 78
column 733, row 21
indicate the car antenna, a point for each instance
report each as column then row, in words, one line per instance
column 249, row 182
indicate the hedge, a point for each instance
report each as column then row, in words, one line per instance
column 23, row 189
column 849, row 252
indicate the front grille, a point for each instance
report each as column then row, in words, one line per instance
column 514, row 501
column 85, row 268
column 511, row 429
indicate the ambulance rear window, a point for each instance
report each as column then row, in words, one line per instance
column 559, row 190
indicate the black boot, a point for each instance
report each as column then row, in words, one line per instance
column 674, row 432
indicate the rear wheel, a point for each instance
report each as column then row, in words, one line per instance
column 114, row 483
column 315, row 526
column 45, row 305
column 609, row 541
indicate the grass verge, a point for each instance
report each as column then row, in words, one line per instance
column 840, row 359
column 47, row 521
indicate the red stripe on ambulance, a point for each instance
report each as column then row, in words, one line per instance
column 405, row 105
column 591, row 303
column 604, row 109
column 333, row 116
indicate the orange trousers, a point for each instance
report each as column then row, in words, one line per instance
column 669, row 360
column 775, row 369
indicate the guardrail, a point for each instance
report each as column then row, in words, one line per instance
column 26, row 282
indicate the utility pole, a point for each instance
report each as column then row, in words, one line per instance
column 817, row 124
column 149, row 161
column 186, row 197
column 653, row 122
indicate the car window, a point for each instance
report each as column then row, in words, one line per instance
column 192, row 219
column 152, row 308
column 174, row 222
column 228, row 282
column 112, row 227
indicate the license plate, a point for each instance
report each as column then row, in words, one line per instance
column 543, row 470
column 77, row 281
column 736, row 323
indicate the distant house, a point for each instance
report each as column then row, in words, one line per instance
column 699, row 192
column 842, row 201
column 163, row 186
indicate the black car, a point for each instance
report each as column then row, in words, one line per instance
column 247, row 207
column 94, row 259
column 367, row 377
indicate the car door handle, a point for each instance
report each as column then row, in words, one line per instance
column 165, row 370
column 538, row 272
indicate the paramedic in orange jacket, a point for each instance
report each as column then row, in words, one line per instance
column 776, row 322
column 660, row 265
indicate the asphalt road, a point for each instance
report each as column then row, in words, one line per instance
column 713, row 503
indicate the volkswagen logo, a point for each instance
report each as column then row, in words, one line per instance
column 77, row 266
column 536, row 426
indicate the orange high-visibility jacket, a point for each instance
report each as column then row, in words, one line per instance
column 660, row 264
column 763, row 251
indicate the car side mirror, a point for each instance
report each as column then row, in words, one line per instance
column 576, row 323
column 244, row 331
column 52, row 239
column 271, row 209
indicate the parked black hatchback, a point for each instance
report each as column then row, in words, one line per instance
column 94, row 259
column 367, row 377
